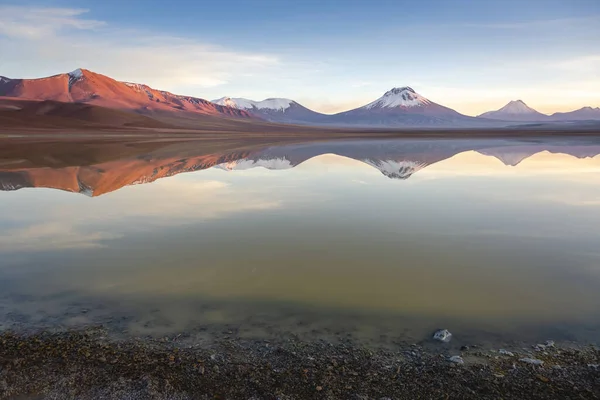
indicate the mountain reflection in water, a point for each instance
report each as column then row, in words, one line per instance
column 490, row 238
column 396, row 159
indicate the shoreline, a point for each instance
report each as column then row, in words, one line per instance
column 87, row 364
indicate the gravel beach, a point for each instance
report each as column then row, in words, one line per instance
column 89, row 364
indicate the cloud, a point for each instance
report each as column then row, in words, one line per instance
column 37, row 23
column 62, row 39
column 51, row 235
column 173, row 202
column 182, row 200
column 590, row 63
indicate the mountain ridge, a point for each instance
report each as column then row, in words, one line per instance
column 84, row 86
column 399, row 107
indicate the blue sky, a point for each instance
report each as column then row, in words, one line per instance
column 330, row 55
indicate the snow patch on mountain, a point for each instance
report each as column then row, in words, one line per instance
column 396, row 169
column 4, row 79
column 399, row 97
column 74, row 76
column 138, row 87
column 78, row 73
column 276, row 104
column 244, row 163
column 8, row 186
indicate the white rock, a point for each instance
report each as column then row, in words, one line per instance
column 443, row 335
column 456, row 360
column 533, row 361
column 541, row 347
column 506, row 353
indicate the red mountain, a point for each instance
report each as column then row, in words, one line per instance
column 83, row 86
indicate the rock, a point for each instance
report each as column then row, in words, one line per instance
column 506, row 353
column 319, row 388
column 542, row 347
column 594, row 366
column 532, row 361
column 443, row 335
column 543, row 378
column 456, row 360
column 464, row 348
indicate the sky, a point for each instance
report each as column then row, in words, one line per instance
column 329, row 55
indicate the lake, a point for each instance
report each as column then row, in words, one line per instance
column 381, row 241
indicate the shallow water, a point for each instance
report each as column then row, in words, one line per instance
column 380, row 240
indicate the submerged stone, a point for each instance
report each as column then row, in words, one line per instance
column 456, row 360
column 443, row 335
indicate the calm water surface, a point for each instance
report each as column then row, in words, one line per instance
column 383, row 241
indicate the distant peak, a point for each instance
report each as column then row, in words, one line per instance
column 78, row 73
column 399, row 97
column 518, row 107
column 75, row 76
column 277, row 104
column 399, row 90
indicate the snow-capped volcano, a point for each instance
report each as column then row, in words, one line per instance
column 394, row 169
column 403, row 106
column 515, row 110
column 399, row 97
column 274, row 109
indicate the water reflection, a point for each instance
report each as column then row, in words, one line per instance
column 486, row 236
column 104, row 168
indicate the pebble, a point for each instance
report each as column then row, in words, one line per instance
column 456, row 360
column 443, row 335
column 541, row 347
column 506, row 353
column 533, row 361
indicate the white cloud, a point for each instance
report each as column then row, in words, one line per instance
column 173, row 202
column 62, row 39
column 37, row 23
column 590, row 63
column 51, row 235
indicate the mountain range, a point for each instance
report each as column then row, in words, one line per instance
column 517, row 110
column 97, row 168
column 398, row 107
